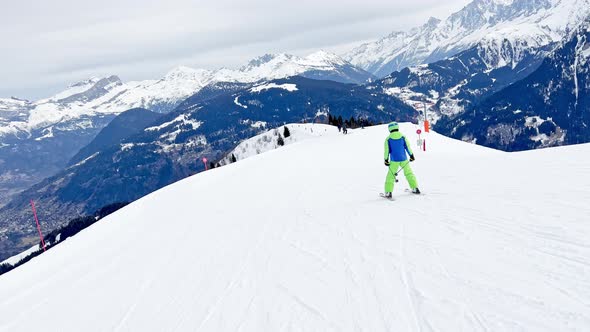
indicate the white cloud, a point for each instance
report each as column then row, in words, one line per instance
column 50, row 43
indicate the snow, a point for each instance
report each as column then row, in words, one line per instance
column 127, row 146
column 17, row 258
column 166, row 124
column 74, row 89
column 12, row 104
column 298, row 239
column 258, row 124
column 268, row 141
column 182, row 119
column 287, row 86
column 237, row 102
column 48, row 134
column 534, row 121
column 85, row 160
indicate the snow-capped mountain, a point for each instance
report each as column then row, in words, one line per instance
column 171, row 148
column 505, row 29
column 297, row 239
column 319, row 65
column 549, row 107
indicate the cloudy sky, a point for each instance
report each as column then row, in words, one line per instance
column 48, row 44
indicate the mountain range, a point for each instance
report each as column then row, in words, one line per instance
column 502, row 29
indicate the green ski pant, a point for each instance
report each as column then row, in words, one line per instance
column 393, row 167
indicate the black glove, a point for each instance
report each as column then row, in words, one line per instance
column 412, row 157
column 387, row 163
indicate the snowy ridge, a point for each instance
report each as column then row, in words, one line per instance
column 110, row 96
column 305, row 243
column 7, row 104
column 275, row 66
column 504, row 29
column 73, row 89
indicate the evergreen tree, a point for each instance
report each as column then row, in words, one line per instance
column 286, row 132
column 280, row 141
column 5, row 267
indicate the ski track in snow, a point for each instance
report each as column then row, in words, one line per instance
column 497, row 243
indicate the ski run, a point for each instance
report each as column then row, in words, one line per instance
column 297, row 239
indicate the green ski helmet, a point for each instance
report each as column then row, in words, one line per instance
column 393, row 126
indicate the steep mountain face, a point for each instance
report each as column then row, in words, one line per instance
column 123, row 126
column 172, row 147
column 550, row 107
column 37, row 139
column 487, row 24
column 452, row 85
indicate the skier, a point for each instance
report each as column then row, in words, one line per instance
column 396, row 147
column 344, row 130
column 339, row 127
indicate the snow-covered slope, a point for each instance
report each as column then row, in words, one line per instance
column 269, row 140
column 297, row 239
column 504, row 30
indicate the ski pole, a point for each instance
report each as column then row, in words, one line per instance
column 401, row 169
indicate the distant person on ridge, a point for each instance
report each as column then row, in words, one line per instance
column 396, row 147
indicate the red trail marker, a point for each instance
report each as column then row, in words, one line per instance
column 38, row 225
